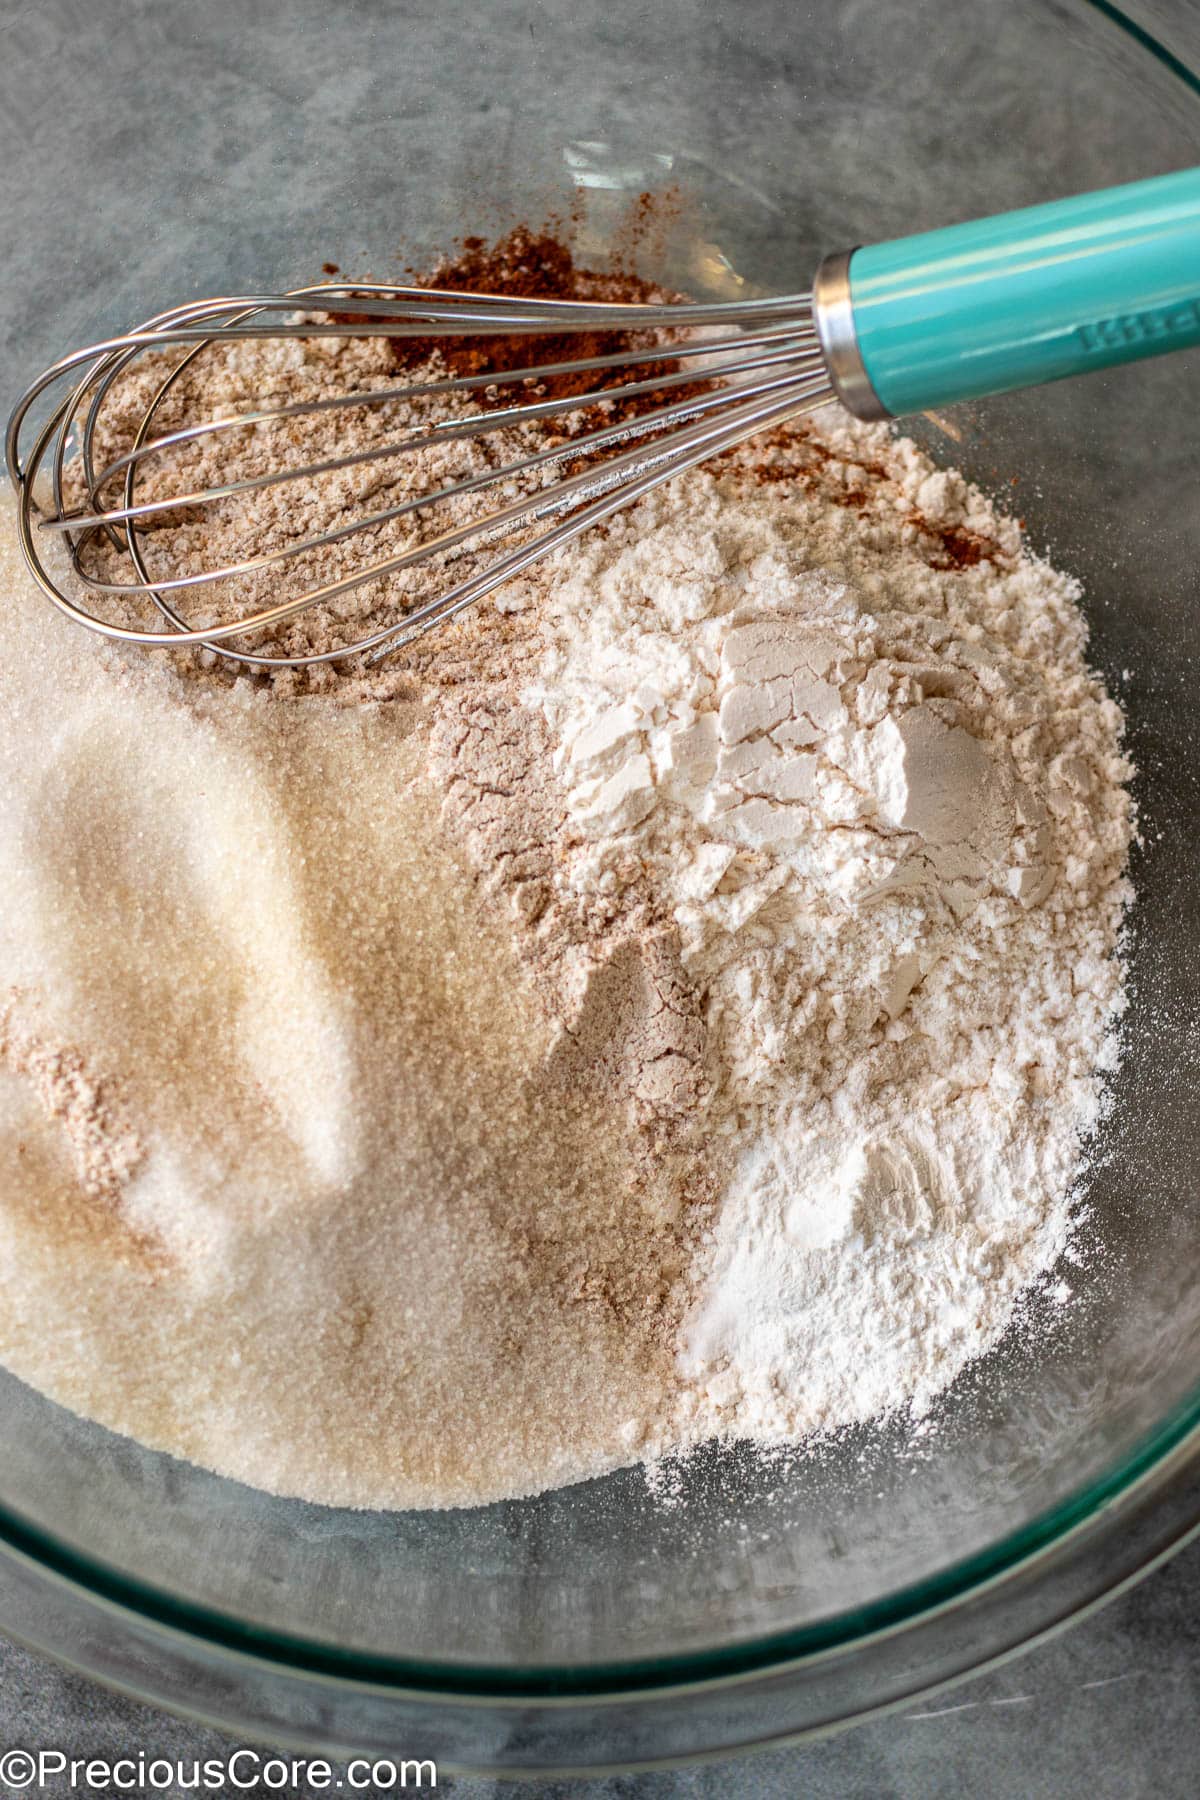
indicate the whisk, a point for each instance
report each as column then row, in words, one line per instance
column 897, row 328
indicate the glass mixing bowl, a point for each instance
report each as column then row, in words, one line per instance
column 225, row 147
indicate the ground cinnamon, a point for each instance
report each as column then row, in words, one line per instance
column 535, row 264
column 791, row 454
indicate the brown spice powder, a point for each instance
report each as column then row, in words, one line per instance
column 104, row 1145
column 625, row 1029
column 534, row 264
column 795, row 455
column 627, row 1032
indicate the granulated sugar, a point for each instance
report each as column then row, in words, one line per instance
column 665, row 1006
column 375, row 1244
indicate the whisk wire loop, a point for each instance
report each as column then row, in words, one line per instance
column 739, row 368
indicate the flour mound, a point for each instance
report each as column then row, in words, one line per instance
column 883, row 804
column 667, row 1005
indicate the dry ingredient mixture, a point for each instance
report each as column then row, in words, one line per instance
column 667, row 1006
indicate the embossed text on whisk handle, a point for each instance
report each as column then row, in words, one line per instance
column 1150, row 326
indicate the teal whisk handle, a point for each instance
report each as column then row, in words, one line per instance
column 1013, row 301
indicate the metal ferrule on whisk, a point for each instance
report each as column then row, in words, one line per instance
column 894, row 328
column 833, row 316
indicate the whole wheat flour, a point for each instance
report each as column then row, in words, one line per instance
column 666, row 1006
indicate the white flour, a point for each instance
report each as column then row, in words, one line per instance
column 885, row 801
column 666, row 1006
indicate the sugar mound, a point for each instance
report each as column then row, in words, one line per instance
column 667, row 1006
